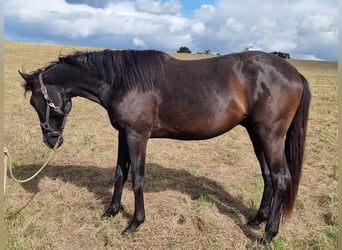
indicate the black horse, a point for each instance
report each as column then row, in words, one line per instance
column 149, row 94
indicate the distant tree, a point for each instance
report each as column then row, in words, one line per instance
column 281, row 54
column 184, row 50
column 207, row 52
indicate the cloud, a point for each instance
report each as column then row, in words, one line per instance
column 138, row 42
column 156, row 7
column 316, row 23
column 295, row 27
column 114, row 26
column 198, row 27
column 205, row 12
column 92, row 3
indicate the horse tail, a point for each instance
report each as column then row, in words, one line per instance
column 294, row 146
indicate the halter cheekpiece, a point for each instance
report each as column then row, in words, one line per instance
column 50, row 105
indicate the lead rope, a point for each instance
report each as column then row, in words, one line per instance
column 7, row 159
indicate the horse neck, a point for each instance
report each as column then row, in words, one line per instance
column 90, row 88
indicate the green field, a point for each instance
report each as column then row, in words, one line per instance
column 198, row 194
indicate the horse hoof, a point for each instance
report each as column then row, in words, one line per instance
column 132, row 227
column 109, row 213
column 253, row 224
column 262, row 241
column 106, row 216
column 266, row 239
column 128, row 231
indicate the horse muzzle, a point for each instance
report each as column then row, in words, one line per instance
column 53, row 140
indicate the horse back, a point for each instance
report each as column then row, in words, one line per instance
column 201, row 99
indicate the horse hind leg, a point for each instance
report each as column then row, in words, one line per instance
column 280, row 179
column 267, row 195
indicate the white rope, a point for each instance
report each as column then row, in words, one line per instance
column 7, row 160
column 7, row 156
column 5, row 166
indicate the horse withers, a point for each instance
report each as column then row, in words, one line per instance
column 149, row 94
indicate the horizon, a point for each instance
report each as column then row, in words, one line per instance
column 168, row 52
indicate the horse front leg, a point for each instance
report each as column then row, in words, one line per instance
column 121, row 173
column 137, row 151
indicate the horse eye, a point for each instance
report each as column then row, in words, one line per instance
column 67, row 107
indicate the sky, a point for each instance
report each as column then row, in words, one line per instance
column 306, row 29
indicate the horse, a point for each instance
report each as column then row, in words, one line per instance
column 150, row 94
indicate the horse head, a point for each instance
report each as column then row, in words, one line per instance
column 51, row 104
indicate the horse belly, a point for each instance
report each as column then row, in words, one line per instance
column 196, row 128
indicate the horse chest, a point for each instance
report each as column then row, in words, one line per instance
column 135, row 111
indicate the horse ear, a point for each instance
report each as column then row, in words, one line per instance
column 28, row 85
column 25, row 76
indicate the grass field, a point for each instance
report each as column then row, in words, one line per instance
column 198, row 194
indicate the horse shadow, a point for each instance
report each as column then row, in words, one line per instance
column 99, row 181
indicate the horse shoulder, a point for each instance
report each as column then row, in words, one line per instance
column 135, row 110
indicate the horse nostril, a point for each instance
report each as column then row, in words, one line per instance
column 53, row 139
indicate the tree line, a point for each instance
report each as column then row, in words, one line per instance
column 185, row 49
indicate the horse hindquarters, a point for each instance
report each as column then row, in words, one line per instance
column 282, row 161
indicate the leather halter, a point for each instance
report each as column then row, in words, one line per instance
column 50, row 105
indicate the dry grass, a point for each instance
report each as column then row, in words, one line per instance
column 198, row 194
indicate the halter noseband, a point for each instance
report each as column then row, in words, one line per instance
column 50, row 105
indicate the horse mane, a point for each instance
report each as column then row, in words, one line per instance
column 122, row 68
